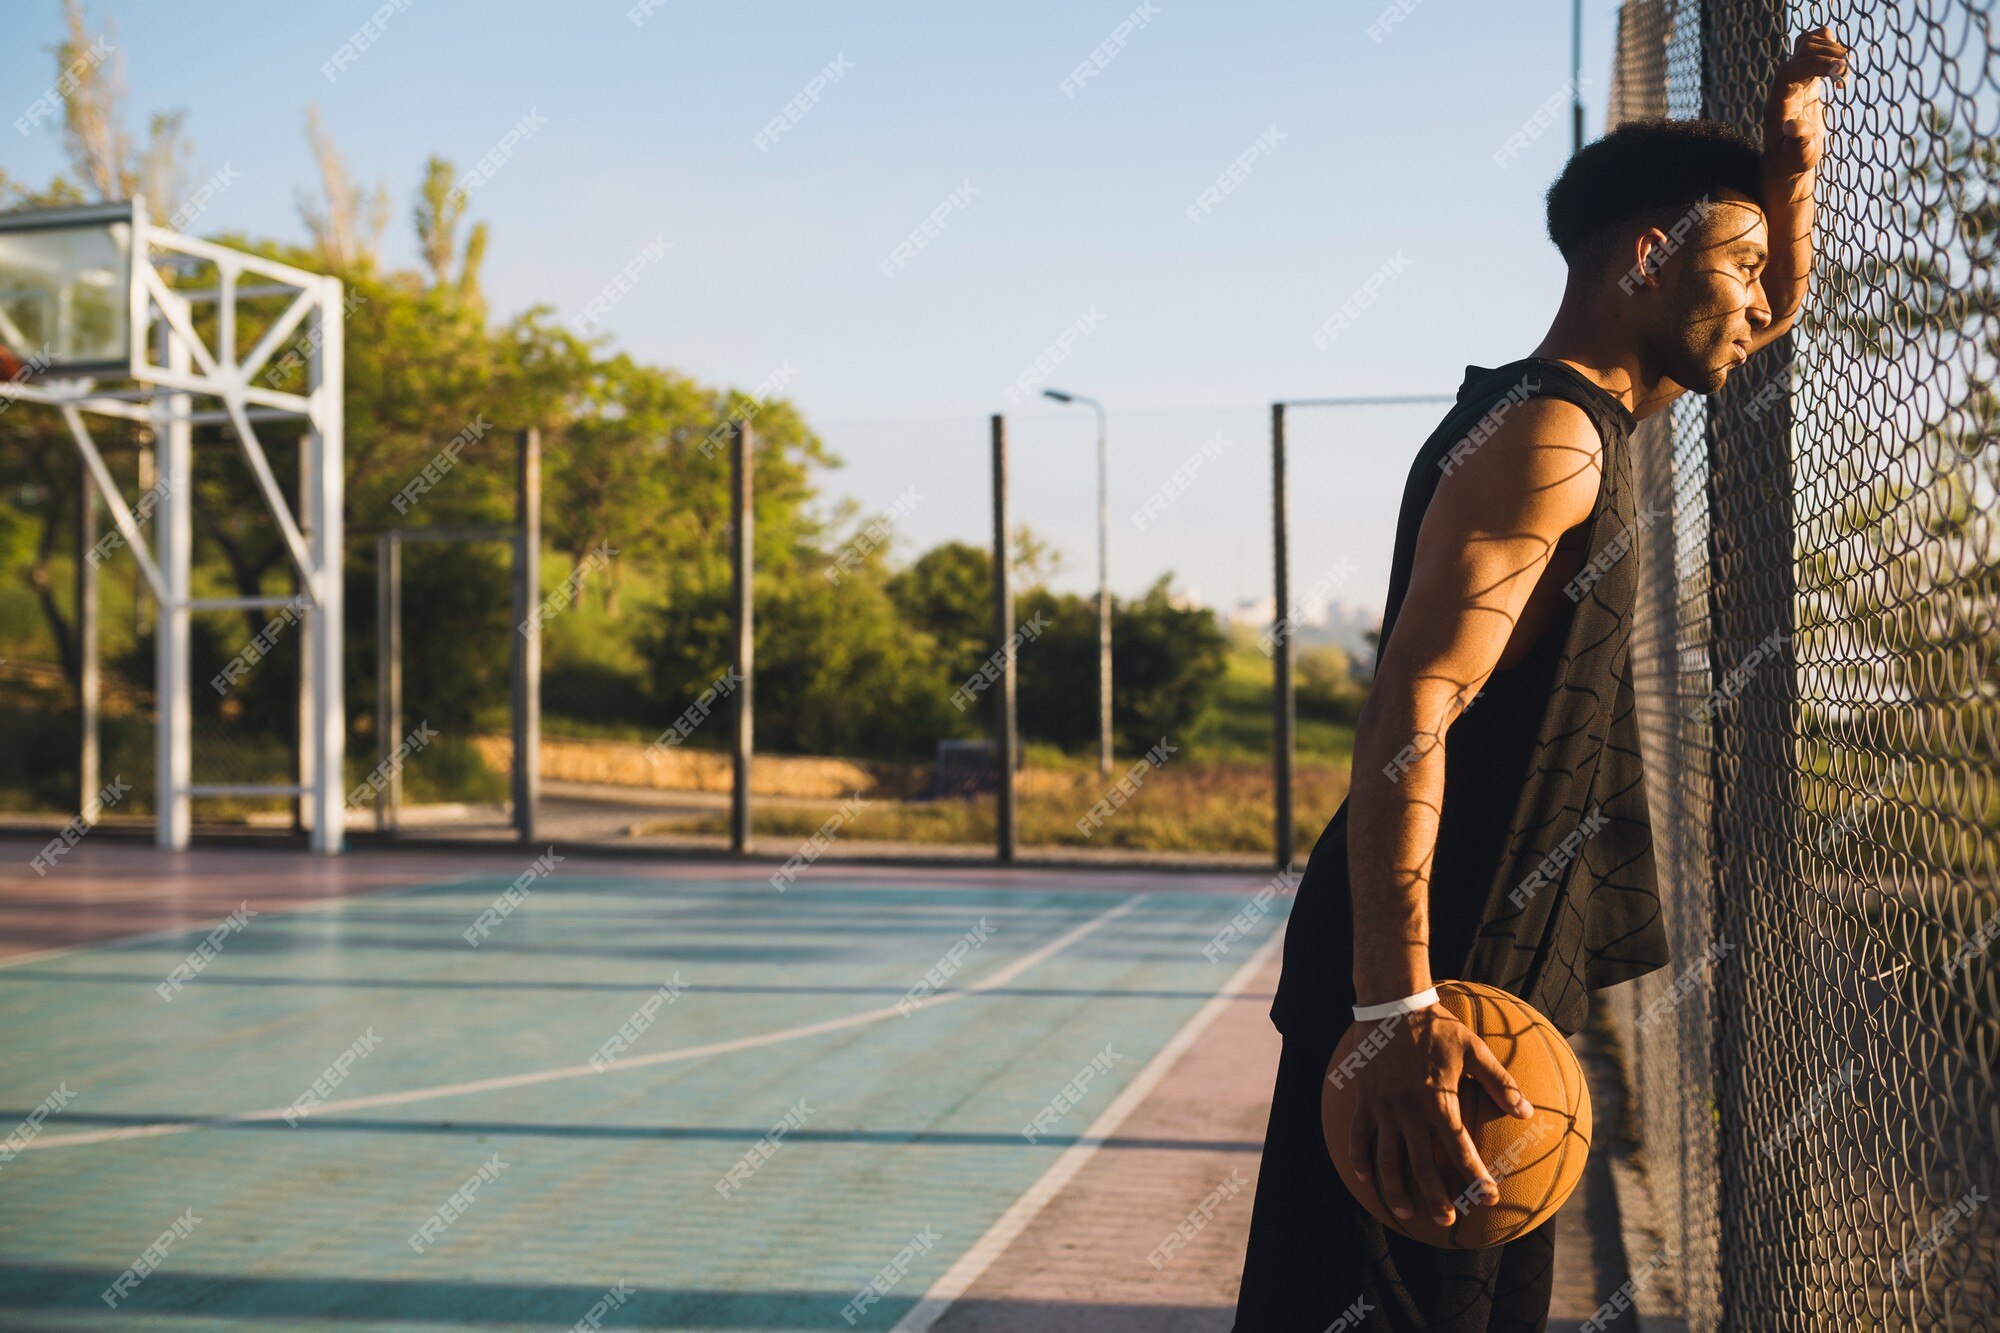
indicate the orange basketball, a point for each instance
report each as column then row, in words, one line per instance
column 1536, row 1162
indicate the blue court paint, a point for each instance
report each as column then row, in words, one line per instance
column 896, row 1127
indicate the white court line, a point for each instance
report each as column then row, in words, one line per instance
column 285, row 908
column 530, row 1078
column 972, row 1265
column 726, row 893
column 389, row 890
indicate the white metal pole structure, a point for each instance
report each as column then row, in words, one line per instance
column 59, row 261
column 326, row 457
column 1103, row 580
column 173, row 429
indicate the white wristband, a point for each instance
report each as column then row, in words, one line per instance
column 1409, row 1004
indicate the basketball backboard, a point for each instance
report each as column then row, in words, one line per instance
column 66, row 290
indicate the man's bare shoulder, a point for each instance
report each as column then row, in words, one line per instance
column 1535, row 471
column 1491, row 529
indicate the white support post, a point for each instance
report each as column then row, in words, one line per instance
column 306, row 811
column 329, row 716
column 174, row 767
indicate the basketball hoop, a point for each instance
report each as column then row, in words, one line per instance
column 66, row 287
column 104, row 315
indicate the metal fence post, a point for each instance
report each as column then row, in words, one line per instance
column 1284, row 653
column 1766, row 1222
column 742, row 517
column 388, row 675
column 528, row 639
column 1003, row 635
column 1284, row 703
column 88, row 686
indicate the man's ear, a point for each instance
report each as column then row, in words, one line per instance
column 1650, row 250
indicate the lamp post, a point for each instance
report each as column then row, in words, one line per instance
column 1103, row 582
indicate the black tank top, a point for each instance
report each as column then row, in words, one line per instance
column 1542, row 883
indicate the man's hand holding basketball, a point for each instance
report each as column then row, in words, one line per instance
column 1406, row 1100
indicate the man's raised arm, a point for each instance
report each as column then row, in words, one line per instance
column 1794, row 139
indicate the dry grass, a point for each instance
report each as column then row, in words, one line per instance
column 1187, row 806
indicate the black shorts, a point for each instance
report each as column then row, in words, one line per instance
column 1317, row 1258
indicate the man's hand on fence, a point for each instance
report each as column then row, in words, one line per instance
column 1794, row 115
column 1794, row 138
column 1407, row 1097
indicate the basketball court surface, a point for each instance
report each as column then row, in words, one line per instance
column 255, row 1089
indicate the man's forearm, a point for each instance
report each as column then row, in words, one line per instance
column 1788, row 215
column 1393, row 804
column 1787, row 193
column 1794, row 141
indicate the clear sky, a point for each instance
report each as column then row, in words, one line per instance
column 1064, row 207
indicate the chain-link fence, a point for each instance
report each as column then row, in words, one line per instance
column 1821, row 701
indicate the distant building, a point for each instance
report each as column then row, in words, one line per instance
column 1253, row 611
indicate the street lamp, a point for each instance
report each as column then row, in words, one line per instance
column 1103, row 583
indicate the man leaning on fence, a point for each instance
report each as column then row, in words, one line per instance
column 1509, row 843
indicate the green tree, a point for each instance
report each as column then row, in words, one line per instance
column 346, row 222
column 1326, row 685
column 439, row 209
column 947, row 592
column 837, row 671
column 1166, row 667
column 637, row 465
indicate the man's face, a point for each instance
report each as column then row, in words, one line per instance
column 1710, row 299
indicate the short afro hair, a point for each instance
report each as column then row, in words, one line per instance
column 1649, row 172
